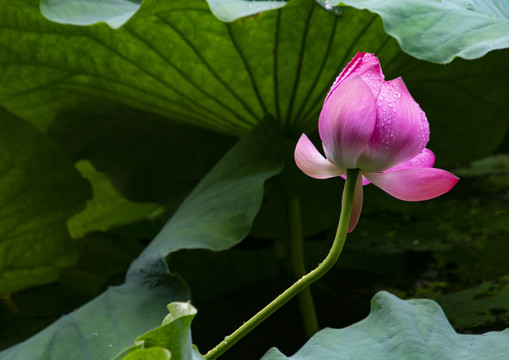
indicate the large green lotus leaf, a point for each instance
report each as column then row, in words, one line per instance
column 433, row 31
column 108, row 209
column 439, row 31
column 218, row 214
column 105, row 325
column 185, row 65
column 117, row 12
column 39, row 190
column 397, row 329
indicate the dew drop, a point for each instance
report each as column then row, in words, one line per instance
column 109, row 345
column 95, row 334
column 415, row 241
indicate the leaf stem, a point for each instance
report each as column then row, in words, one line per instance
column 305, row 298
column 305, row 280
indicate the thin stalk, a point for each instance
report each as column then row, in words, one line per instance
column 305, row 280
column 305, row 298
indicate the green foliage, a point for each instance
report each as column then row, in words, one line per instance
column 114, row 13
column 39, row 190
column 397, row 329
column 111, row 321
column 172, row 339
column 108, row 209
column 154, row 353
column 145, row 113
column 432, row 31
column 279, row 63
column 439, row 31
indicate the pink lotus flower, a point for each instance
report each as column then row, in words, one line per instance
column 376, row 126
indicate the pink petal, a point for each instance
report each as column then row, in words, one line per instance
column 357, row 204
column 401, row 131
column 425, row 159
column 347, row 121
column 414, row 184
column 367, row 67
column 312, row 163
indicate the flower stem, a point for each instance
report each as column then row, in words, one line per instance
column 305, row 298
column 305, row 280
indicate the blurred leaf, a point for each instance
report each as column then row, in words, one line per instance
column 110, row 322
column 479, row 307
column 438, row 31
column 39, row 190
column 492, row 165
column 468, row 263
column 394, row 330
column 103, row 259
column 486, row 304
column 107, row 209
column 474, row 215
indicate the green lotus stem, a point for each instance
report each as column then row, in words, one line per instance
column 305, row 298
column 305, row 280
